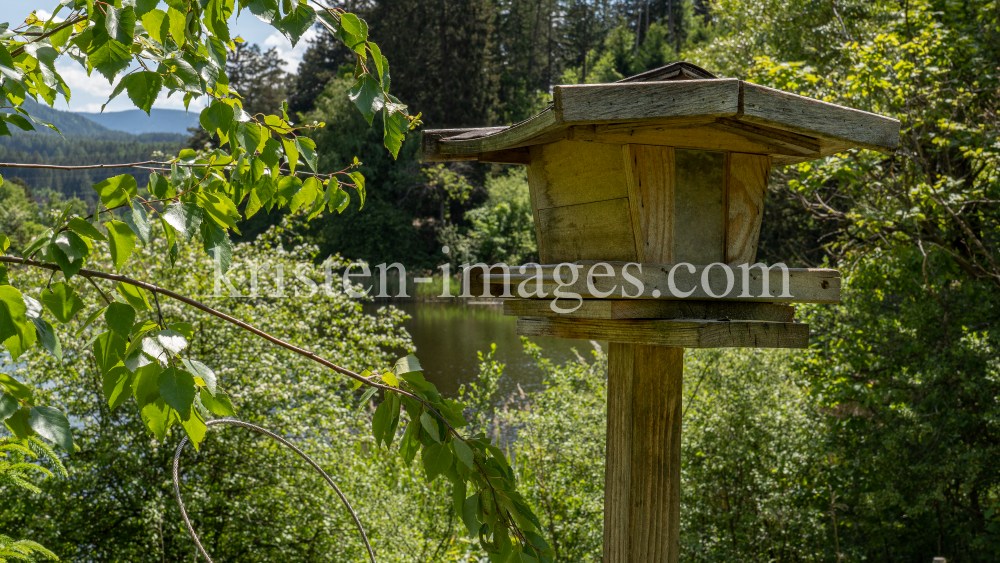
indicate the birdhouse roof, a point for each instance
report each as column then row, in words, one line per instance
column 679, row 105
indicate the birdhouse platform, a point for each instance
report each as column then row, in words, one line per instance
column 668, row 170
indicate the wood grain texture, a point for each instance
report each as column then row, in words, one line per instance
column 792, row 143
column 589, row 231
column 680, row 333
column 575, row 172
column 699, row 207
column 654, row 309
column 594, row 103
column 804, row 285
column 810, row 117
column 745, row 192
column 536, row 184
column 762, row 121
column 642, row 481
column 704, row 136
column 650, row 177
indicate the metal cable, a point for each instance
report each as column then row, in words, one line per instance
column 282, row 441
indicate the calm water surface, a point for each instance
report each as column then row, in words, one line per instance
column 449, row 334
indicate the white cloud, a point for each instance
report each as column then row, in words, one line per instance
column 291, row 55
column 44, row 15
column 78, row 81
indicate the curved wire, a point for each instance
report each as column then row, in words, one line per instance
column 282, row 441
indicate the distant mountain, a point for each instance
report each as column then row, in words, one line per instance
column 69, row 123
column 137, row 122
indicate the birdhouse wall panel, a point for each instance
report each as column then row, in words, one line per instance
column 600, row 230
column 747, row 176
column 650, row 175
column 699, row 207
column 576, row 172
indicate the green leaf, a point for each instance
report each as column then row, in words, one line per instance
column 177, row 23
column 183, row 217
column 116, row 191
column 177, row 389
column 359, row 185
column 297, row 22
column 69, row 267
column 120, row 24
column 265, row 10
column 145, row 387
column 107, row 55
column 430, row 425
column 307, row 148
column 409, row 445
column 38, row 242
column 407, row 364
column 47, row 337
column 72, row 245
column 117, row 386
column 219, row 404
column 144, row 6
column 437, row 458
column 470, row 510
column 19, row 424
column 217, row 245
column 122, row 242
column 120, row 318
column 52, row 425
column 171, row 341
column 85, row 229
column 464, row 453
column 61, row 301
column 143, row 88
column 249, row 136
column 311, row 189
column 134, row 295
column 291, row 154
column 216, row 14
column 203, row 372
column 337, row 198
column 381, row 421
column 8, row 405
column 156, row 415
column 109, row 351
column 219, row 209
column 217, row 117
column 19, row 390
column 396, row 126
column 367, row 95
column 138, row 221
column 4, row 241
column 363, row 402
column 194, row 427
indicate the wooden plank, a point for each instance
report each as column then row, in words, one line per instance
column 575, row 172
column 642, row 480
column 745, row 193
column 804, row 285
column 588, row 231
column 430, row 142
column 505, row 138
column 536, row 184
column 702, row 136
column 794, row 143
column 810, row 117
column 654, row 309
column 595, row 103
column 680, row 333
column 650, row 177
column 699, row 207
column 633, row 174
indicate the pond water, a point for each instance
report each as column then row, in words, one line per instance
column 448, row 335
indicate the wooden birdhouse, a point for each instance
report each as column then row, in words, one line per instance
column 666, row 171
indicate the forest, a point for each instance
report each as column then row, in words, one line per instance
column 878, row 443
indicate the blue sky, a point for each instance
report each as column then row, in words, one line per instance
column 89, row 92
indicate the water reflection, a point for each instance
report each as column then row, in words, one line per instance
column 448, row 334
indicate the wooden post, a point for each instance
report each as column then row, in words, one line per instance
column 643, row 472
column 665, row 168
